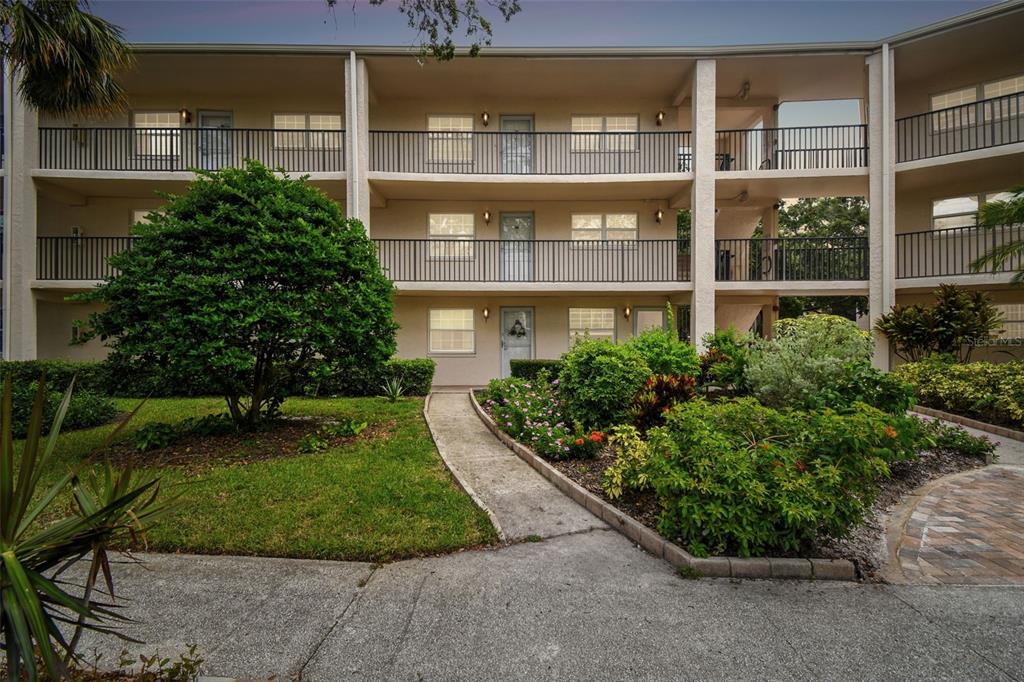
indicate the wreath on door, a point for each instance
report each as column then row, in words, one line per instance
column 517, row 330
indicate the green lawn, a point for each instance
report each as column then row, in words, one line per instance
column 381, row 499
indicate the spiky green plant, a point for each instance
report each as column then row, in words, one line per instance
column 393, row 389
column 1008, row 213
column 37, row 598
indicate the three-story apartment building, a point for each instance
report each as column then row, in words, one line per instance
column 526, row 196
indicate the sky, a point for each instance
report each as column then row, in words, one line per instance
column 574, row 23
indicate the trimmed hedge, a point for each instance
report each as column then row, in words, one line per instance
column 991, row 392
column 92, row 376
column 116, row 379
column 86, row 409
column 416, row 375
column 527, row 369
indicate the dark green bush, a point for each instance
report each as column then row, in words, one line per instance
column 91, row 376
column 527, row 369
column 416, row 375
column 724, row 362
column 599, row 380
column 738, row 477
column 988, row 391
column 86, row 409
column 664, row 353
column 860, row 382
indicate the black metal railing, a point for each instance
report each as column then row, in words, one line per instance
column 561, row 260
column 178, row 149
column 498, row 153
column 953, row 251
column 77, row 258
column 988, row 123
column 803, row 148
column 791, row 259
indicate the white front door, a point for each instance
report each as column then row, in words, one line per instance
column 516, row 337
column 517, row 144
column 516, row 247
column 215, row 147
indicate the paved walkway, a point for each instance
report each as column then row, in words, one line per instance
column 521, row 502
column 965, row 528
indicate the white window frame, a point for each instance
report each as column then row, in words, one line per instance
column 942, row 124
column 464, row 252
column 144, row 136
column 307, row 135
column 648, row 309
column 971, row 218
column 445, row 141
column 576, row 333
column 430, row 333
column 603, row 136
column 603, row 241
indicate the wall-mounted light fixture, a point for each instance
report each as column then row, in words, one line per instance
column 485, row 118
column 626, row 312
column 486, row 313
column 487, row 217
column 659, row 118
column 744, row 92
column 658, row 215
column 777, row 205
column 186, row 115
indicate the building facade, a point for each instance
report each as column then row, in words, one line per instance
column 525, row 196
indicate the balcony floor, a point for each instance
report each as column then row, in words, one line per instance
column 1002, row 165
column 772, row 184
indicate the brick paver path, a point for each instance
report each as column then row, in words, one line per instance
column 969, row 530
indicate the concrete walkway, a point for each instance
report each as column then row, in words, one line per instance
column 522, row 503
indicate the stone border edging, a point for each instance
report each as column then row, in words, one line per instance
column 652, row 542
column 1002, row 431
column 466, row 488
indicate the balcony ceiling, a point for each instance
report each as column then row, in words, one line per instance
column 221, row 75
column 996, row 42
column 556, row 78
column 796, row 78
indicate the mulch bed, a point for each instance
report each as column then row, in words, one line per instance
column 865, row 546
column 279, row 439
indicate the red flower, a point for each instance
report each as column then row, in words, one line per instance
column 891, row 432
column 800, row 466
column 596, row 436
column 580, row 441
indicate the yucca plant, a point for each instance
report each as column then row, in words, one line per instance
column 36, row 599
column 393, row 389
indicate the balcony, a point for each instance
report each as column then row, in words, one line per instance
column 792, row 259
column 979, row 125
column 182, row 149
column 77, row 258
column 523, row 154
column 546, row 261
column 792, row 149
column 951, row 252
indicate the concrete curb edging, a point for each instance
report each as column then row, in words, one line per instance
column 1002, row 431
column 460, row 480
column 636, row 532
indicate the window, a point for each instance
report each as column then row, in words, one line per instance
column 603, row 227
column 604, row 133
column 962, row 211
column 451, row 331
column 158, row 134
column 450, row 139
column 599, row 323
column 963, row 117
column 312, row 131
column 1013, row 320
column 141, row 215
column 451, row 236
column 648, row 318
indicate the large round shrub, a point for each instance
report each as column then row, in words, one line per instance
column 664, row 353
column 806, row 359
column 599, row 380
column 240, row 283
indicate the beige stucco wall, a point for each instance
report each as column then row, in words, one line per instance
column 913, row 93
column 56, row 318
column 97, row 217
column 551, row 328
column 552, row 219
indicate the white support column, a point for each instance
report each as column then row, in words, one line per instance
column 357, row 140
column 20, row 157
column 702, row 201
column 881, row 196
